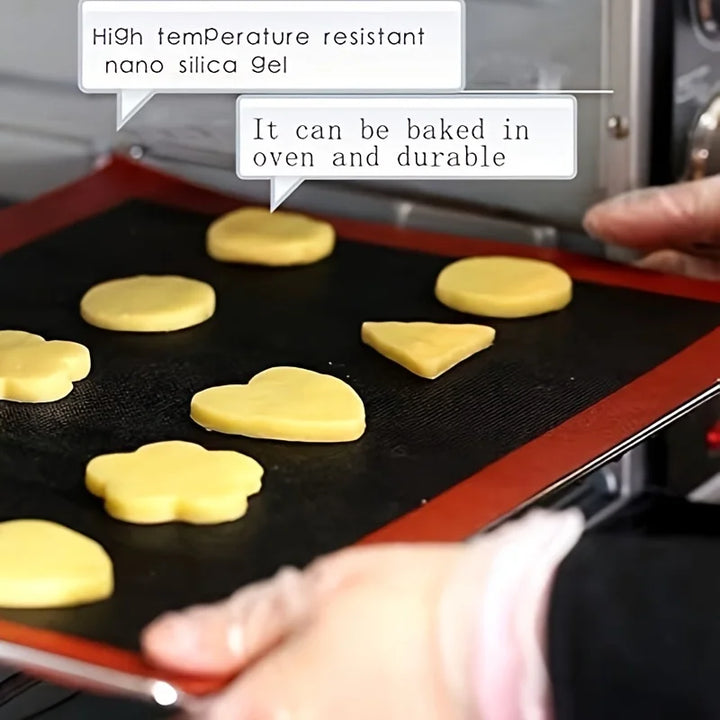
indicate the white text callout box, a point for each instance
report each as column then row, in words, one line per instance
column 140, row 47
column 291, row 139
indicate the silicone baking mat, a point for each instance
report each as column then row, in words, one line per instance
column 315, row 498
column 423, row 437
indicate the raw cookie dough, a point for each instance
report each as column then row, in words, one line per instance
column 283, row 403
column 44, row 565
column 504, row 287
column 174, row 481
column 258, row 237
column 148, row 303
column 427, row 349
column 35, row 370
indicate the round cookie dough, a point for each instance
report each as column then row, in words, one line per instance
column 44, row 565
column 174, row 481
column 256, row 236
column 283, row 403
column 148, row 303
column 504, row 287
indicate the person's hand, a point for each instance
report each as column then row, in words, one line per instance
column 428, row 632
column 676, row 228
column 355, row 636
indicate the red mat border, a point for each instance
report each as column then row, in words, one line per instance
column 472, row 504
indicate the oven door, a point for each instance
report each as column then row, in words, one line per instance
column 50, row 132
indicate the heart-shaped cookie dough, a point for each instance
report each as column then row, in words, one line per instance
column 44, row 565
column 174, row 481
column 35, row 370
column 283, row 403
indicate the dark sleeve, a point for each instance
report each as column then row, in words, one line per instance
column 634, row 627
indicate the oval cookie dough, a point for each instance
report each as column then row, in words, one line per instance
column 283, row 403
column 148, row 303
column 256, row 236
column 174, row 481
column 44, row 565
column 504, row 287
column 35, row 370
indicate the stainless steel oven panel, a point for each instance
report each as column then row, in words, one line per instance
column 534, row 45
column 546, row 44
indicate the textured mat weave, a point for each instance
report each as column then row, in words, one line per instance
column 423, row 437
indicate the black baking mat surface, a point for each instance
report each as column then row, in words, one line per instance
column 422, row 438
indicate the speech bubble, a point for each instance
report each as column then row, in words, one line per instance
column 137, row 48
column 288, row 140
column 129, row 103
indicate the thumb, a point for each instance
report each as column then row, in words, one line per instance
column 227, row 637
column 222, row 639
column 684, row 216
column 672, row 262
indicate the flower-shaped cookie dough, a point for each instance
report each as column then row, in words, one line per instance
column 35, row 370
column 174, row 481
column 44, row 565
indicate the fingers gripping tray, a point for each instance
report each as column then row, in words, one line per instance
column 439, row 459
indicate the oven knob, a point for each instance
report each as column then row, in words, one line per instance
column 704, row 153
column 708, row 12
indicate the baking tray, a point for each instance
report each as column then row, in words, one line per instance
column 439, row 460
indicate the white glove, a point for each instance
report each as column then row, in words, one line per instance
column 385, row 633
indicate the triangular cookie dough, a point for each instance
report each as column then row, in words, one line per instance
column 148, row 303
column 44, row 565
column 34, row 370
column 504, row 287
column 255, row 236
column 283, row 403
column 427, row 349
column 174, row 481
